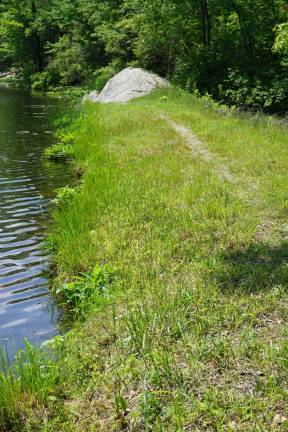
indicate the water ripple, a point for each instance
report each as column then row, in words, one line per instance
column 26, row 187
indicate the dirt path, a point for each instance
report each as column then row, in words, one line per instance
column 199, row 149
column 269, row 229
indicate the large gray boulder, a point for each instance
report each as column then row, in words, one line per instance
column 129, row 84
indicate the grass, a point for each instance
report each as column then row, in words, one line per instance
column 193, row 334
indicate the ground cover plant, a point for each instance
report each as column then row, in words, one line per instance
column 186, row 204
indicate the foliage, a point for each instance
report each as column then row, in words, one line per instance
column 281, row 42
column 66, row 92
column 67, row 66
column 64, row 196
column 104, row 74
column 197, row 44
column 269, row 93
column 40, row 81
column 59, row 152
column 66, row 136
column 88, row 289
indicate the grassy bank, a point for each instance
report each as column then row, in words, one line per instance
column 180, row 315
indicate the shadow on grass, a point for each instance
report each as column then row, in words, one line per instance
column 255, row 268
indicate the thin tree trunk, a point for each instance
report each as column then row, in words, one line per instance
column 274, row 12
column 36, row 42
column 205, row 23
column 208, row 24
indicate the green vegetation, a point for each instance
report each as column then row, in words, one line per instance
column 187, row 331
column 85, row 292
column 31, row 380
column 59, row 152
column 64, row 196
column 236, row 50
column 62, row 150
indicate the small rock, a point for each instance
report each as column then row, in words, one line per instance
column 91, row 97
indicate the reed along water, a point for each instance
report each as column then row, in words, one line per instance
column 27, row 185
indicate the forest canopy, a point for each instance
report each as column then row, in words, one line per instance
column 236, row 50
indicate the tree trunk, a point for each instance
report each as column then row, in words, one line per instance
column 274, row 12
column 36, row 42
column 205, row 23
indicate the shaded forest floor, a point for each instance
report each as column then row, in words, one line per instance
column 187, row 205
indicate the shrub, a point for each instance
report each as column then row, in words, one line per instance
column 68, row 65
column 66, row 136
column 71, row 93
column 40, row 81
column 103, row 74
column 268, row 92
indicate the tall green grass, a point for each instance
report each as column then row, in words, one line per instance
column 193, row 334
column 26, row 382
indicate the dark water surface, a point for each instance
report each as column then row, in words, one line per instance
column 27, row 184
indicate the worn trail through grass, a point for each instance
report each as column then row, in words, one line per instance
column 200, row 149
column 269, row 228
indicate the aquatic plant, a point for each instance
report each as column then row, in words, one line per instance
column 59, row 152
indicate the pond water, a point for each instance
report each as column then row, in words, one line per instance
column 27, row 184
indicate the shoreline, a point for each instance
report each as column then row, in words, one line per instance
column 171, row 291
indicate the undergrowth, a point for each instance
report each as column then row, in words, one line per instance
column 59, row 152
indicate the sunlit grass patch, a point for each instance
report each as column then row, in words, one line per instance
column 28, row 381
column 191, row 334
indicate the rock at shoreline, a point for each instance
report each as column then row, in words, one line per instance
column 129, row 84
column 8, row 75
column 91, row 97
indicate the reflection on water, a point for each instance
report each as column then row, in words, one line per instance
column 26, row 186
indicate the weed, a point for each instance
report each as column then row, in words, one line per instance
column 88, row 288
column 59, row 152
column 64, row 196
column 66, row 137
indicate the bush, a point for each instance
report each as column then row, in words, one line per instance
column 68, row 65
column 103, row 74
column 267, row 93
column 40, row 81
column 66, row 136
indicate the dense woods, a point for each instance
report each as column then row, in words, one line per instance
column 236, row 50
